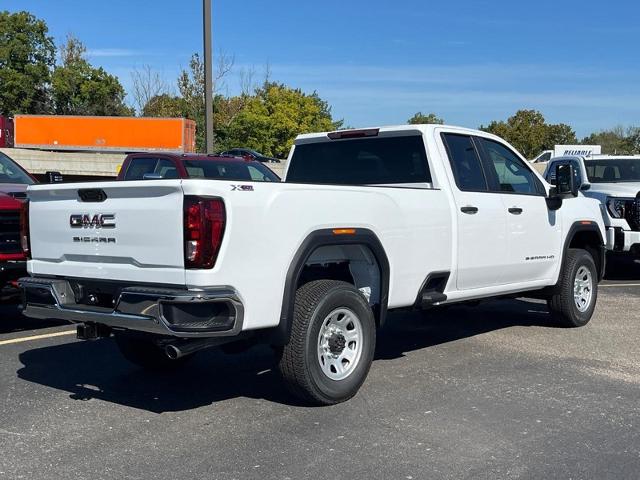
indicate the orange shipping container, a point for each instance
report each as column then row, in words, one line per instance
column 105, row 134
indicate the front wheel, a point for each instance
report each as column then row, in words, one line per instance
column 577, row 291
column 332, row 343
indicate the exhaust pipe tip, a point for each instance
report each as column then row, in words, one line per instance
column 182, row 348
column 173, row 352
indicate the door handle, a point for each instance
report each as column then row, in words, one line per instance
column 469, row 210
column 515, row 210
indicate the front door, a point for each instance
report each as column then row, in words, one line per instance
column 533, row 231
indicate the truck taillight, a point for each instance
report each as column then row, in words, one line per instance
column 25, row 241
column 204, row 222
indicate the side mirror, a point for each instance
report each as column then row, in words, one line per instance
column 54, row 177
column 585, row 186
column 566, row 184
column 554, row 201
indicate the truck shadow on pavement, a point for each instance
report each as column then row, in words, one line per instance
column 96, row 370
column 12, row 320
column 622, row 267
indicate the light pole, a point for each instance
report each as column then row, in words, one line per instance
column 208, row 77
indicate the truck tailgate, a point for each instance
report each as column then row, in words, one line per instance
column 134, row 234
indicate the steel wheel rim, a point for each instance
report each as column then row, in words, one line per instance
column 340, row 344
column 583, row 289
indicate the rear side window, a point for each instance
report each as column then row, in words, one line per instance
column 370, row 161
column 465, row 163
column 158, row 167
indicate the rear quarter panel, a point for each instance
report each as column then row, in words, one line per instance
column 267, row 224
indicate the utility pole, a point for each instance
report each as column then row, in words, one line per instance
column 208, row 77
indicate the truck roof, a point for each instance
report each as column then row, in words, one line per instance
column 389, row 129
column 612, row 157
column 597, row 157
column 192, row 156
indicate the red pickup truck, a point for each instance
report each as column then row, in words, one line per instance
column 13, row 185
column 156, row 166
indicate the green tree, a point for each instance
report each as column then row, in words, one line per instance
column 561, row 134
column 529, row 132
column 419, row 119
column 78, row 88
column 164, row 105
column 274, row 116
column 27, row 55
column 266, row 118
column 618, row 140
column 191, row 88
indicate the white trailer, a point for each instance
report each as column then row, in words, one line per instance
column 568, row 151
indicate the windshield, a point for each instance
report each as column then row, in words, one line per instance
column 10, row 172
column 252, row 172
column 613, row 170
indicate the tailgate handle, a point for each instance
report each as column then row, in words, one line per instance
column 92, row 195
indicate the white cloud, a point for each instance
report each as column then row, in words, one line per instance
column 113, row 52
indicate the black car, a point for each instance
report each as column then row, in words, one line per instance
column 250, row 155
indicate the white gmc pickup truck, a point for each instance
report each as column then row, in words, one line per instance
column 613, row 180
column 365, row 222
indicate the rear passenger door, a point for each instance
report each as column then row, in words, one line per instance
column 481, row 219
column 533, row 232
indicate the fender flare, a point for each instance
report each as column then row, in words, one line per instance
column 586, row 226
column 321, row 238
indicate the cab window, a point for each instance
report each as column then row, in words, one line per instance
column 160, row 167
column 509, row 172
column 384, row 160
column 545, row 157
column 465, row 163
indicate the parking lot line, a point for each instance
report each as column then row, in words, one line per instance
column 37, row 337
column 619, row 285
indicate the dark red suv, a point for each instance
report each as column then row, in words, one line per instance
column 156, row 166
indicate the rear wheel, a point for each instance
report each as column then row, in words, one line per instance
column 332, row 343
column 577, row 291
column 146, row 353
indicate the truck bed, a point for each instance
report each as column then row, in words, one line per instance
column 265, row 226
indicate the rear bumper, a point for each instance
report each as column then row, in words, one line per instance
column 213, row 312
column 10, row 272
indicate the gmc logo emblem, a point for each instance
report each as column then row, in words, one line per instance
column 99, row 220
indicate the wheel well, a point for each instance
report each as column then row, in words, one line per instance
column 590, row 241
column 352, row 263
column 357, row 258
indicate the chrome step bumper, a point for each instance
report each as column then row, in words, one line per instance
column 211, row 312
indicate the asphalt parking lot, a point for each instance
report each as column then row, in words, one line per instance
column 493, row 391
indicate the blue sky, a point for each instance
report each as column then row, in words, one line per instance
column 378, row 62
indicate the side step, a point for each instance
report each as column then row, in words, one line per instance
column 432, row 290
column 431, row 298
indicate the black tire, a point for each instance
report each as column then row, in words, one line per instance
column 299, row 363
column 144, row 353
column 562, row 304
